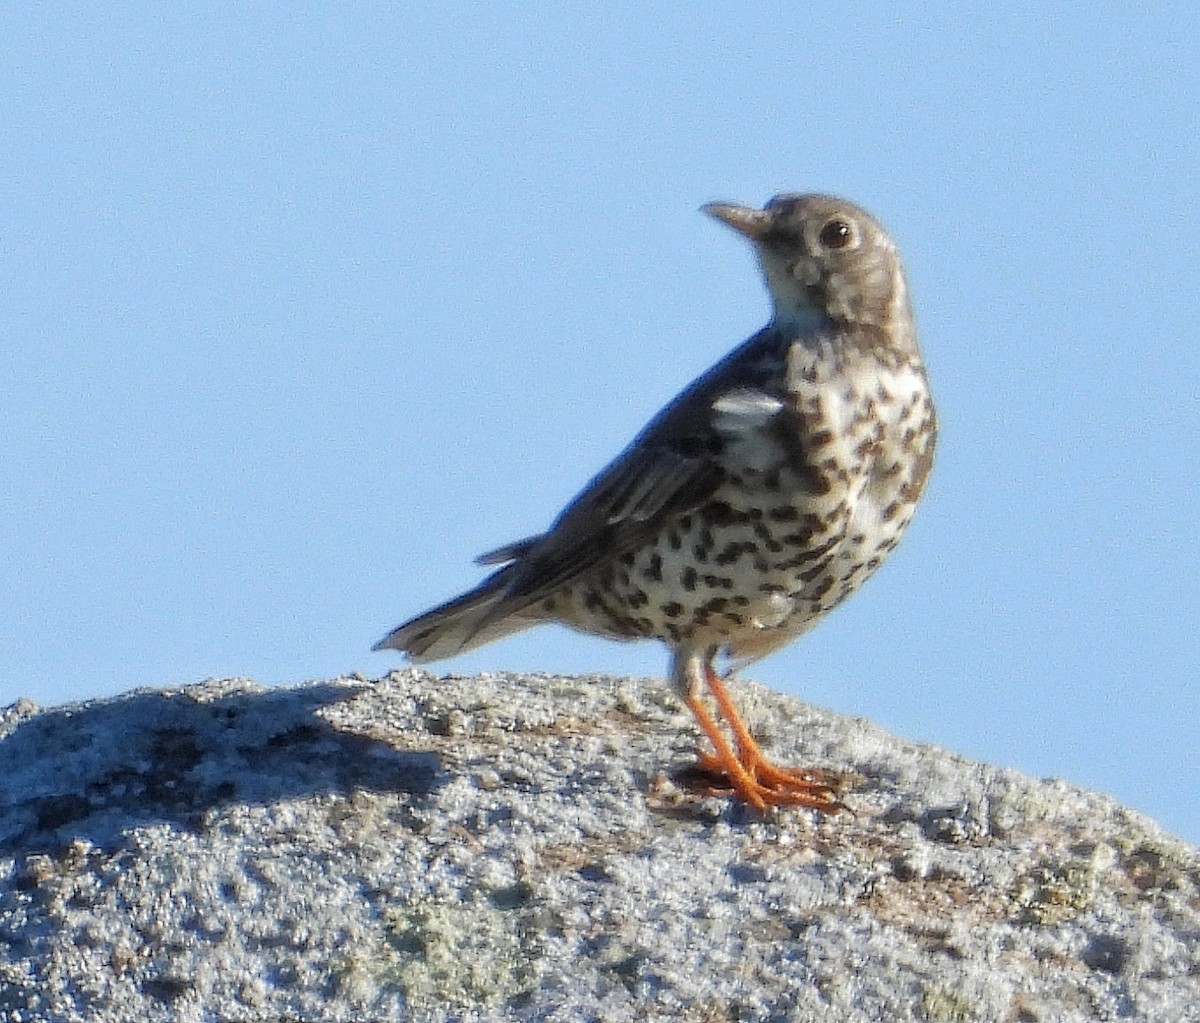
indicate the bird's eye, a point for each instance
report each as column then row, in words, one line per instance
column 836, row 234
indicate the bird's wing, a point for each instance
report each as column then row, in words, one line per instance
column 673, row 466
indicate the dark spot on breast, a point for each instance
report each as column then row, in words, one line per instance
column 911, row 491
column 784, row 513
column 800, row 538
column 867, row 447
column 809, row 574
column 817, row 483
column 653, row 571
column 624, row 625
column 823, row 587
column 672, row 609
column 733, row 551
column 809, row 555
column 688, row 579
column 721, row 514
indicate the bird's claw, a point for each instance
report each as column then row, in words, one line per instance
column 762, row 783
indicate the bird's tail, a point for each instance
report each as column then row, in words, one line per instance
column 457, row 626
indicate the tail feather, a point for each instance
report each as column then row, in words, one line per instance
column 455, row 627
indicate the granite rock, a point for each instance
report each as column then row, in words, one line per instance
column 516, row 847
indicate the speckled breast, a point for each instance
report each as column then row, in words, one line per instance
column 812, row 504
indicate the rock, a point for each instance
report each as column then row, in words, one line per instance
column 525, row 848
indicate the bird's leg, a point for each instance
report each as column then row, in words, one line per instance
column 812, row 783
column 724, row 762
column 747, row 771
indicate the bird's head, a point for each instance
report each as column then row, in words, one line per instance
column 823, row 257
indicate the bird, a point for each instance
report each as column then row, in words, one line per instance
column 754, row 503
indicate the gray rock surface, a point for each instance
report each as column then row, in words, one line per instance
column 518, row 848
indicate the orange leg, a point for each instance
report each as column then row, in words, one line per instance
column 749, row 772
column 724, row 761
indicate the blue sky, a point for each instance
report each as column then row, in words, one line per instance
column 304, row 309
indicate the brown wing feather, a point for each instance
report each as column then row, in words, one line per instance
column 670, row 469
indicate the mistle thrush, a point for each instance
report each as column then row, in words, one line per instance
column 751, row 505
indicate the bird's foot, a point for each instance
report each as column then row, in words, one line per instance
column 743, row 768
column 761, row 783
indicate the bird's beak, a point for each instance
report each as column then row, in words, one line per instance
column 743, row 219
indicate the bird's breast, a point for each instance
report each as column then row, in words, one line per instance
column 819, row 484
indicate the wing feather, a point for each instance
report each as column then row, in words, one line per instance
column 670, row 469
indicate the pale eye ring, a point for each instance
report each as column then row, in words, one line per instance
column 836, row 234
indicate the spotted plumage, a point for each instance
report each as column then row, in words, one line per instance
column 756, row 501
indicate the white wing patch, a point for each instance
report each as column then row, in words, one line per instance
column 743, row 410
column 741, row 418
